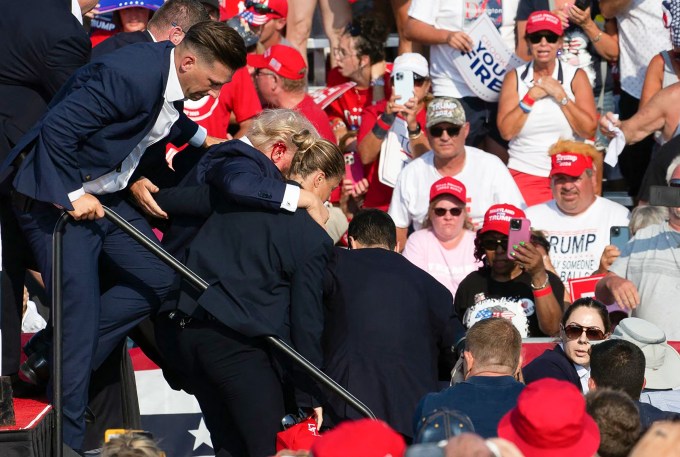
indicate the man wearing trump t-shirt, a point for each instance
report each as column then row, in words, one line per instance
column 577, row 221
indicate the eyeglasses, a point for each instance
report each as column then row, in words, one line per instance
column 674, row 183
column 574, row 331
column 261, row 8
column 491, row 244
column 550, row 37
column 441, row 212
column 436, row 131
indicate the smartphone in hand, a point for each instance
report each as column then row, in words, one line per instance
column 354, row 169
column 520, row 230
column 619, row 236
column 403, row 86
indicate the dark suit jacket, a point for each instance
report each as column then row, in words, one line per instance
column 33, row 66
column 386, row 320
column 234, row 171
column 120, row 40
column 265, row 270
column 152, row 164
column 553, row 363
column 93, row 123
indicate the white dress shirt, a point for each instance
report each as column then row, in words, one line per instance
column 117, row 179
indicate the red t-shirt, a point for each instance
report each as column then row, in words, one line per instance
column 317, row 117
column 238, row 96
column 350, row 105
column 379, row 195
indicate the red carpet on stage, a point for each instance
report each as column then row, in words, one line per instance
column 28, row 412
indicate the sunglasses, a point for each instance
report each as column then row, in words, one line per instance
column 491, row 244
column 260, row 8
column 550, row 37
column 441, row 212
column 674, row 183
column 436, row 131
column 574, row 331
column 418, row 81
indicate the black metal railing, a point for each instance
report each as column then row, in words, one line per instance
column 195, row 281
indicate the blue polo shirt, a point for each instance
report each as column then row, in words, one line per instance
column 484, row 399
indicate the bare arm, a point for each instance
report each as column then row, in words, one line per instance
column 615, row 289
column 427, row 34
column 653, row 79
column 652, row 116
column 402, row 234
column 582, row 114
column 243, row 127
column 511, row 117
column 606, row 42
column 522, row 49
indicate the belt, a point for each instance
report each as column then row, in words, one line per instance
column 183, row 319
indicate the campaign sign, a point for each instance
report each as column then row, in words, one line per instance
column 583, row 287
column 484, row 68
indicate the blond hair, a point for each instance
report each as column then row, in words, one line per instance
column 131, row 445
column 279, row 126
column 316, row 154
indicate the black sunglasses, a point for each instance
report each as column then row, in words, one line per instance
column 455, row 211
column 436, row 131
column 491, row 244
column 550, row 37
column 674, row 183
column 418, row 81
column 260, row 8
column 574, row 331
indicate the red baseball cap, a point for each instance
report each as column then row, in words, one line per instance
column 259, row 12
column 551, row 419
column 540, row 21
column 364, row 437
column 570, row 164
column 448, row 186
column 282, row 60
column 497, row 218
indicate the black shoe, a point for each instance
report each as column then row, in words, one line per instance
column 89, row 416
column 40, row 342
column 36, row 369
column 23, row 389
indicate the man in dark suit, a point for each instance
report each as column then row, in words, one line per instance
column 48, row 44
column 386, row 322
column 79, row 156
column 265, row 279
column 170, row 22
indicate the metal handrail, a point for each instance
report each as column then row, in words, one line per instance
column 196, row 281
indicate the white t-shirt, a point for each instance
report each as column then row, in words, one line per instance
column 545, row 124
column 486, row 179
column 455, row 15
column 448, row 266
column 577, row 242
column 641, row 36
column 651, row 260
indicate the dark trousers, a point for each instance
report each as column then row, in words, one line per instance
column 234, row 381
column 93, row 322
column 16, row 258
column 635, row 158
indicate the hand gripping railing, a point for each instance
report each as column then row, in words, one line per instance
column 195, row 281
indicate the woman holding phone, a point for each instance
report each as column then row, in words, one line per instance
column 517, row 287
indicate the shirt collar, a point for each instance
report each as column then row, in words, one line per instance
column 173, row 90
column 76, row 11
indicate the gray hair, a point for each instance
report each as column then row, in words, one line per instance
column 643, row 216
column 671, row 168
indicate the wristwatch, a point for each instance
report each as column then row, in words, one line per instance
column 564, row 101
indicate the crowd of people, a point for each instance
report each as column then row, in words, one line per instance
column 403, row 244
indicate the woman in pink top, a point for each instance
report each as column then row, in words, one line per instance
column 445, row 246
